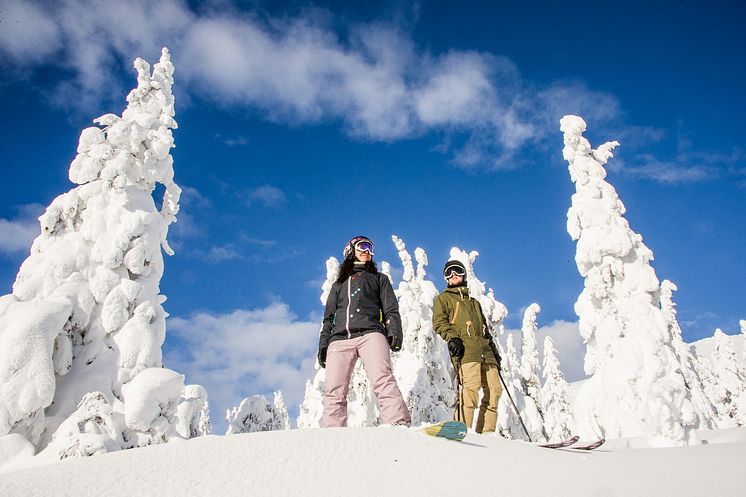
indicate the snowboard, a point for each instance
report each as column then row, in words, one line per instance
column 451, row 430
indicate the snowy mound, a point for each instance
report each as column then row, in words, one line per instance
column 381, row 462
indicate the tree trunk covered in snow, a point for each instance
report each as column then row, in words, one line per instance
column 688, row 363
column 81, row 334
column 635, row 388
column 730, row 381
column 529, row 370
column 422, row 368
column 558, row 422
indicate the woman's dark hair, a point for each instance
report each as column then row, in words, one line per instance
column 348, row 268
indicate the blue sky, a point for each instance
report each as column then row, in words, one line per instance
column 303, row 124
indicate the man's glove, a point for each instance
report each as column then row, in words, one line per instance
column 395, row 342
column 456, row 347
column 322, row 357
column 497, row 354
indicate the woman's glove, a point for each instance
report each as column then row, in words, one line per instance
column 456, row 347
column 322, row 357
column 394, row 342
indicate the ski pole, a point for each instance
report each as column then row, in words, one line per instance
column 512, row 403
column 459, row 393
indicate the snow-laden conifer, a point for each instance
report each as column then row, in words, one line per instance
column 81, row 334
column 311, row 408
column 422, row 368
column 704, row 410
column 730, row 380
column 508, row 423
column 555, row 407
column 256, row 413
column 635, row 388
column 529, row 371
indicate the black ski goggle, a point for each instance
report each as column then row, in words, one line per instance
column 453, row 269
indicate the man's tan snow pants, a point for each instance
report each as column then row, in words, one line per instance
column 473, row 376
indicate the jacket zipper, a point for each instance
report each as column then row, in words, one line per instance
column 349, row 302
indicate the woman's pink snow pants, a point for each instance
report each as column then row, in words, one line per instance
column 341, row 357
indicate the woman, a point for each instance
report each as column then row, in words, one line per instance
column 362, row 320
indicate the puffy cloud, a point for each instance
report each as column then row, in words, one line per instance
column 17, row 234
column 244, row 352
column 267, row 195
column 300, row 70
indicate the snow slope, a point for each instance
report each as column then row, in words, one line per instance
column 380, row 462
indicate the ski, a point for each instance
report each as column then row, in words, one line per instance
column 451, row 430
column 595, row 445
column 559, row 445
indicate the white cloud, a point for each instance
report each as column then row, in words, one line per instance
column 299, row 70
column 267, row 195
column 221, row 253
column 28, row 33
column 17, row 234
column 243, row 353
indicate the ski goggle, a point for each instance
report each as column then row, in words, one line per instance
column 449, row 271
column 364, row 246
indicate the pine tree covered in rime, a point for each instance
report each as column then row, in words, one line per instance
column 81, row 334
column 508, row 424
column 422, row 368
column 256, row 413
column 635, row 388
column 311, row 408
column 742, row 324
column 704, row 415
column 529, row 375
column 558, row 422
column 730, row 378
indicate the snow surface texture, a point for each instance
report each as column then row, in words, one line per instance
column 635, row 388
column 81, row 334
column 256, row 413
column 379, row 462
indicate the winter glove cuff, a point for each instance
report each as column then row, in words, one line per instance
column 322, row 357
column 456, row 347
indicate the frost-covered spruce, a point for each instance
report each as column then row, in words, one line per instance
column 508, row 424
column 530, row 383
column 81, row 334
column 730, row 380
column 555, row 407
column 311, row 408
column 422, row 368
column 635, row 388
column 704, row 410
column 256, row 413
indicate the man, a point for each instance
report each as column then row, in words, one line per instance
column 459, row 320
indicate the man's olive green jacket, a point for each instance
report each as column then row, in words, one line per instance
column 456, row 314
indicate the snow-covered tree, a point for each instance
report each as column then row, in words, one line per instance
column 529, row 375
column 422, row 368
column 256, row 413
column 689, row 367
column 635, row 388
column 730, row 380
column 555, row 407
column 82, row 331
column 508, row 423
